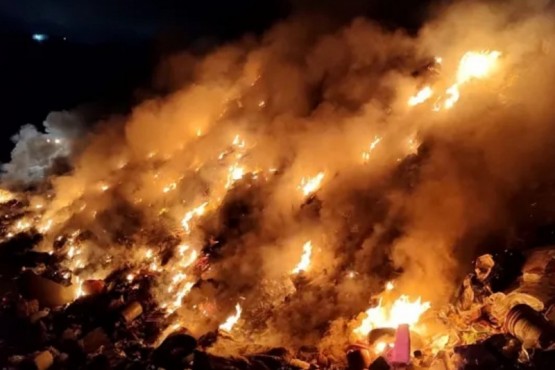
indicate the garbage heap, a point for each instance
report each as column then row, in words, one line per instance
column 502, row 318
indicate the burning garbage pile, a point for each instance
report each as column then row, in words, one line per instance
column 305, row 200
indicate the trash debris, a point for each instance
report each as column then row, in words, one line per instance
column 358, row 357
column 132, row 311
column 43, row 360
column 530, row 327
column 379, row 364
column 484, row 265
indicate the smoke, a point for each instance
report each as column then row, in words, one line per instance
column 218, row 165
column 36, row 153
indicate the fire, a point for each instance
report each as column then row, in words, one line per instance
column 235, row 173
column 305, row 258
column 473, row 65
column 381, row 346
column 232, row 320
column 6, row 196
column 402, row 311
column 476, row 65
column 421, row 96
column 389, row 286
column 169, row 187
column 309, row 186
column 197, row 211
column 373, row 145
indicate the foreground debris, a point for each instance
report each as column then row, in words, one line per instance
column 501, row 319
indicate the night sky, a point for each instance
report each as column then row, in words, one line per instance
column 101, row 51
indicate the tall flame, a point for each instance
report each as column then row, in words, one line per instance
column 305, row 258
column 232, row 320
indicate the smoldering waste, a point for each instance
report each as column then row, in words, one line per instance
column 500, row 318
column 311, row 198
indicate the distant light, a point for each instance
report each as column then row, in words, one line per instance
column 40, row 37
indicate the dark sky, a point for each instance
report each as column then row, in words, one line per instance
column 96, row 21
column 113, row 46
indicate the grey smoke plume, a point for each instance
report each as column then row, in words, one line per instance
column 35, row 152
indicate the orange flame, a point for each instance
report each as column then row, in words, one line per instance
column 197, row 211
column 6, row 196
column 232, row 320
column 309, row 186
column 402, row 311
column 305, row 258
column 421, row 96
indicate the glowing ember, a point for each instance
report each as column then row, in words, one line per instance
column 421, row 96
column 389, row 286
column 402, row 311
column 309, row 186
column 232, row 320
column 305, row 258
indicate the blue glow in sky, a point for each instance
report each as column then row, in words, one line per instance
column 40, row 37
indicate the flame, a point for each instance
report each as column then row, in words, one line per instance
column 197, row 211
column 43, row 228
column 373, row 145
column 305, row 258
column 476, row 65
column 402, row 311
column 79, row 292
column 169, row 187
column 6, row 196
column 235, row 173
column 232, row 320
column 473, row 65
column 309, row 186
column 382, row 346
column 421, row 96
column 389, row 286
